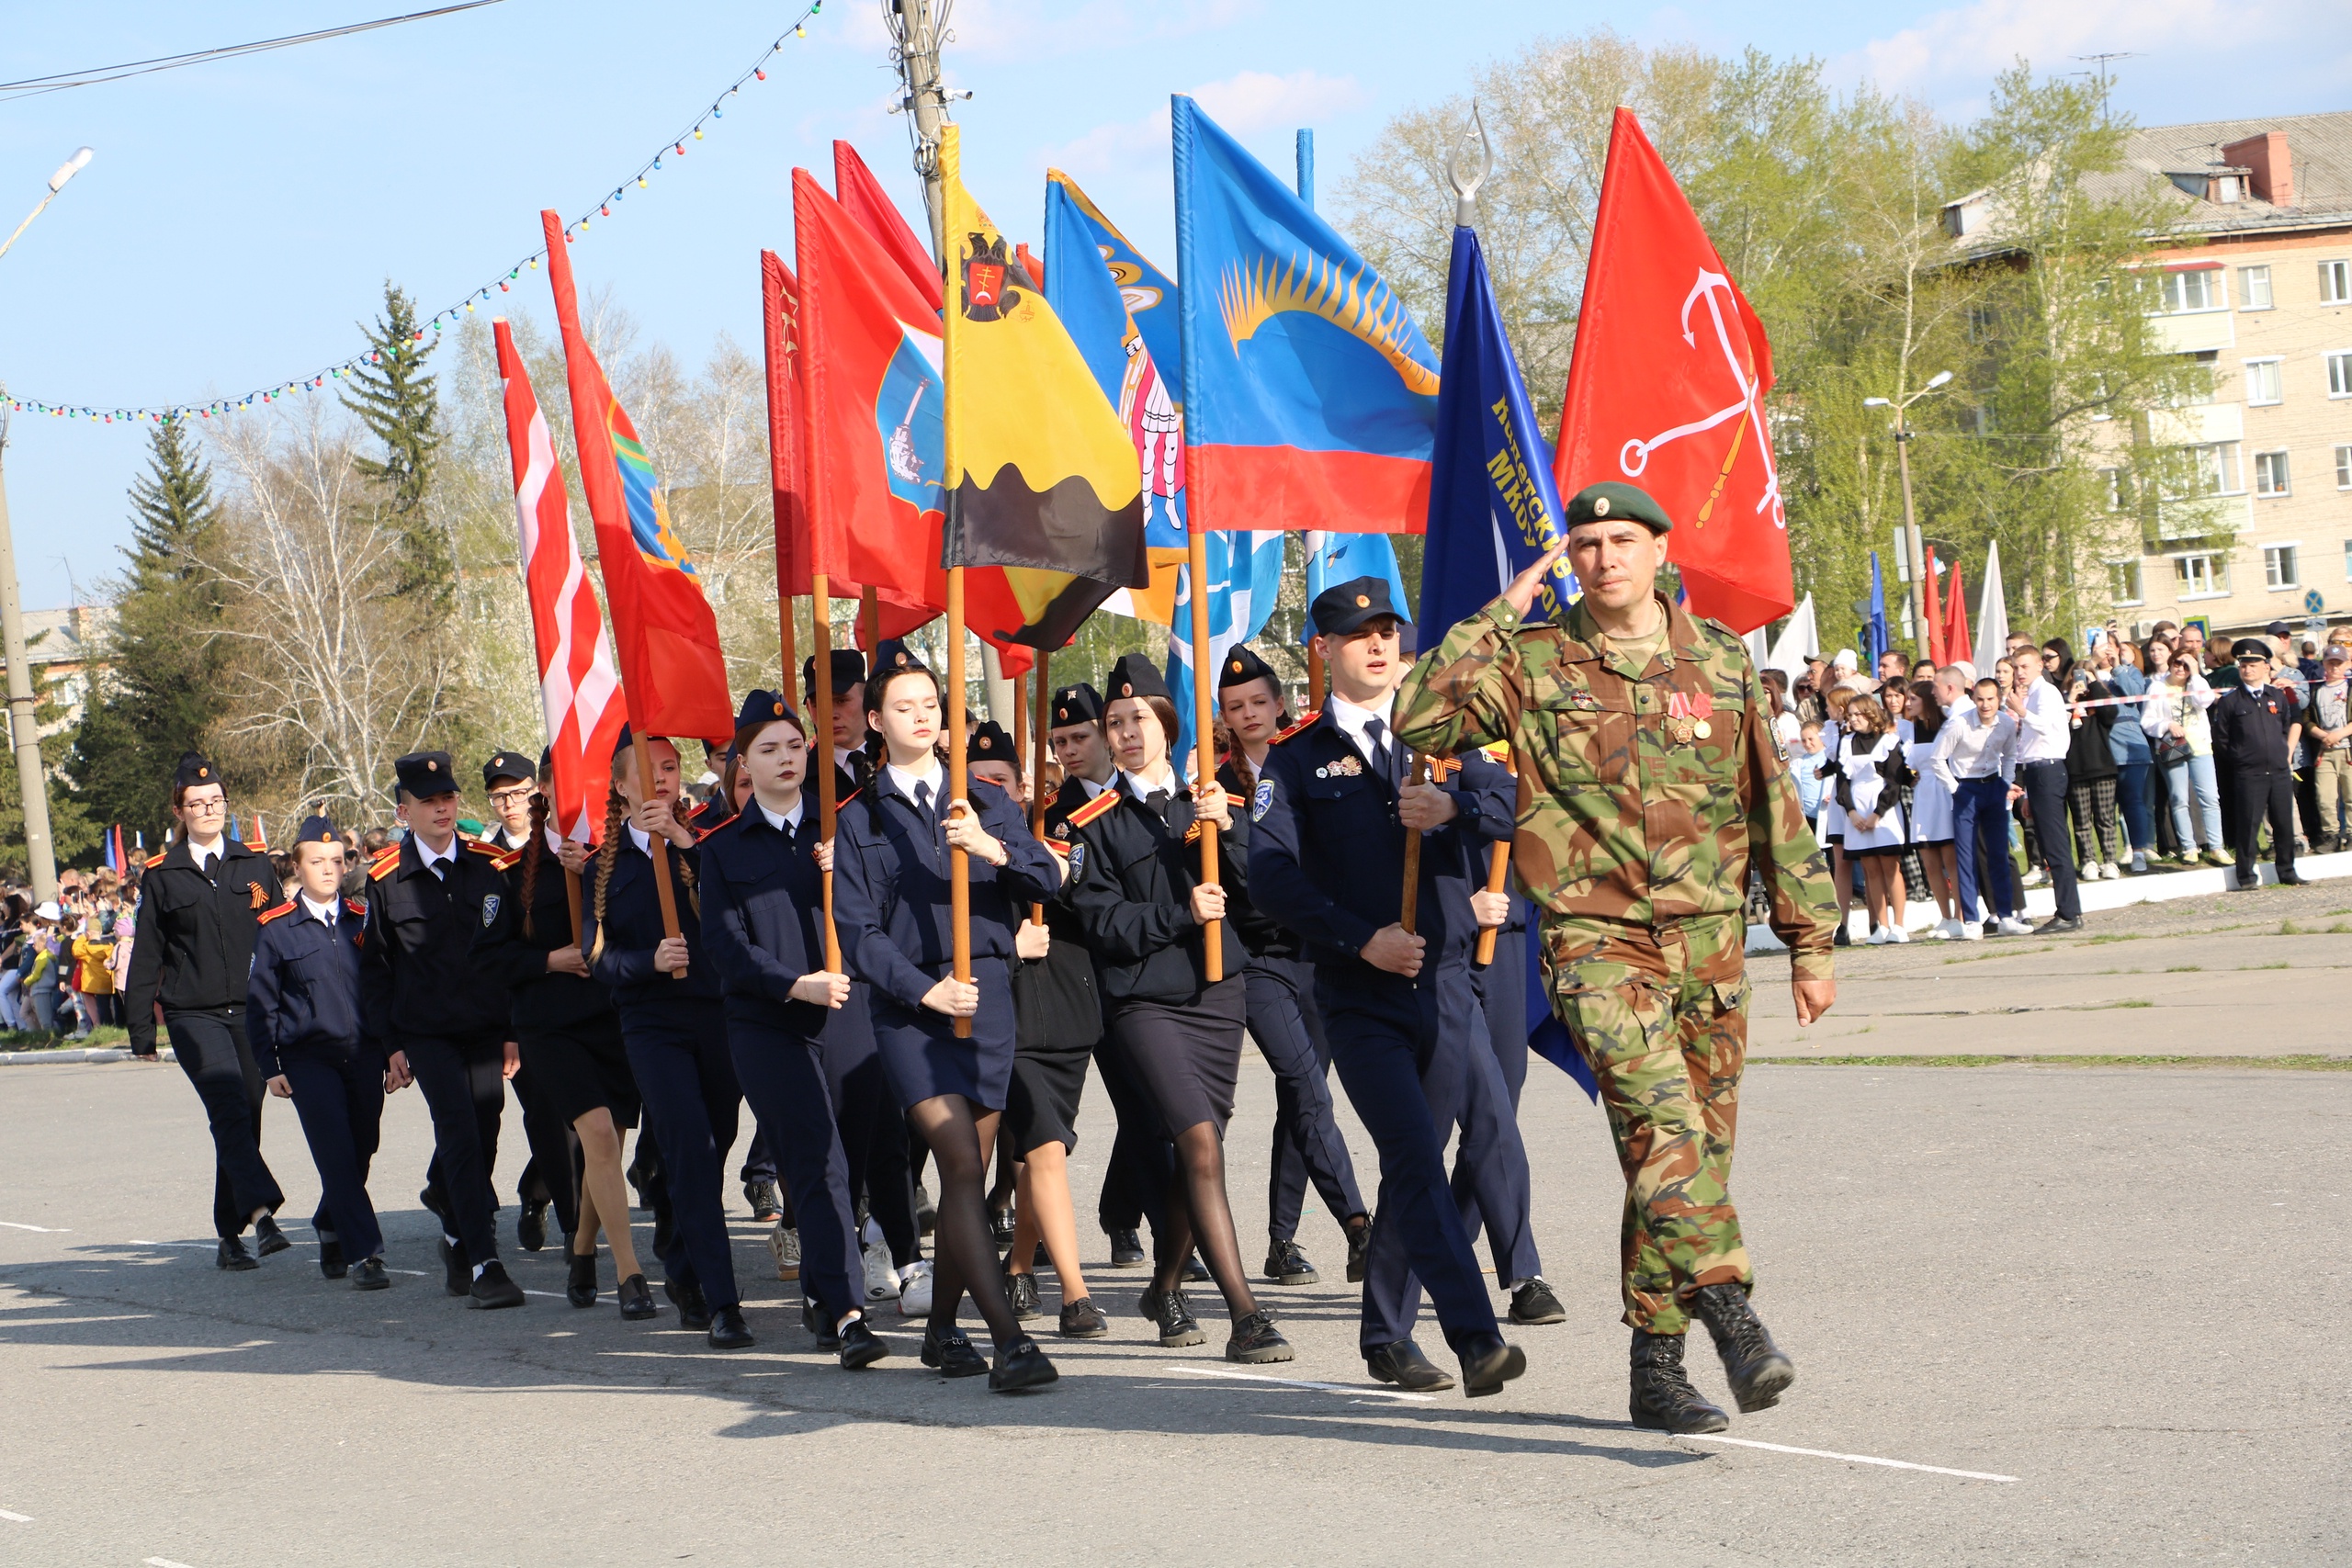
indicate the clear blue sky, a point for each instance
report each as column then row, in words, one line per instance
column 241, row 218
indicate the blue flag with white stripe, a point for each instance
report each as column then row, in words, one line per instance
column 1245, row 575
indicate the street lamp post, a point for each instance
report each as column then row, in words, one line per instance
column 24, row 729
column 1911, row 540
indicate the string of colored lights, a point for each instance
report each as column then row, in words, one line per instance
column 673, row 148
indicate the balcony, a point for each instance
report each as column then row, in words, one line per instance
column 2193, row 332
column 2199, row 425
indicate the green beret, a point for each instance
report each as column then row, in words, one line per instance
column 1610, row 502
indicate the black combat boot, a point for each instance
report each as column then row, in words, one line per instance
column 1663, row 1399
column 1759, row 1368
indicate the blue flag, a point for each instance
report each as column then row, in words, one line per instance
column 1343, row 558
column 1876, row 630
column 1245, row 575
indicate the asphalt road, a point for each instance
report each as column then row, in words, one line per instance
column 2122, row 1292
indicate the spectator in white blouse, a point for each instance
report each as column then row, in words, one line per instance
column 1976, row 758
column 2045, row 730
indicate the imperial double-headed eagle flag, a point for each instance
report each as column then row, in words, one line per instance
column 579, row 690
column 1042, row 477
column 673, row 676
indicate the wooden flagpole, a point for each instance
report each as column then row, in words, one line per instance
column 1498, row 879
column 1411, row 907
column 656, row 845
column 1196, row 546
column 1037, row 728
column 821, row 749
column 959, row 863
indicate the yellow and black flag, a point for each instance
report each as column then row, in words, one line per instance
column 1042, row 477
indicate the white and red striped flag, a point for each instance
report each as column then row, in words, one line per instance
column 578, row 685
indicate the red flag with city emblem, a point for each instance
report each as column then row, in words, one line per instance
column 1667, row 390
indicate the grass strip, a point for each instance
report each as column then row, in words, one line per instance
column 2293, row 1063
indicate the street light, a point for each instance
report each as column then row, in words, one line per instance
column 1912, row 542
column 32, row 779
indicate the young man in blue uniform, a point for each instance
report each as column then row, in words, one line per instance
column 302, row 1017
column 1401, row 1006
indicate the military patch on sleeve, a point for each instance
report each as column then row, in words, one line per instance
column 1077, row 860
column 1262, row 801
column 488, row 909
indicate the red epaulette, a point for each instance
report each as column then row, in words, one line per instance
column 702, row 833
column 507, row 860
column 384, row 864
column 1300, row 727
column 1093, row 808
column 356, row 906
column 847, row 798
column 1057, row 846
column 275, row 911
column 156, row 860
column 481, row 849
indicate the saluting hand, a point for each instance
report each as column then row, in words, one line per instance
column 280, row 1087
column 1395, row 949
column 957, row 999
column 1521, row 595
column 824, row 988
column 965, row 833
column 1423, row 807
column 670, row 957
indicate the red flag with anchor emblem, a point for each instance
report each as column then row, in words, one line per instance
column 1667, row 390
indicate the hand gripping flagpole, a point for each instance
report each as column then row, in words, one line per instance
column 1204, row 741
column 1037, row 764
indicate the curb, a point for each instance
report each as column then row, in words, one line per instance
column 90, row 1054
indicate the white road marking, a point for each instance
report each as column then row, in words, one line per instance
column 16, row 1518
column 1851, row 1459
column 45, row 1230
column 1302, row 1382
column 164, row 1563
column 200, row 1246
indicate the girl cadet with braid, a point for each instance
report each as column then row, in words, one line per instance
column 570, row 1041
column 892, row 889
column 666, row 990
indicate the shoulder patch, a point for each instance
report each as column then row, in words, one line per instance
column 480, row 848
column 508, row 861
column 1302, row 726
column 383, row 865
column 157, row 859
column 356, row 906
column 1106, row 801
column 1262, row 801
column 277, row 910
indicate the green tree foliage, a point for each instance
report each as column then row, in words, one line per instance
column 395, row 397
column 72, row 830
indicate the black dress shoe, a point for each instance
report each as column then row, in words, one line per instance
column 269, row 1240
column 1487, row 1368
column 492, row 1290
column 370, row 1276
column 581, row 1289
column 819, row 1324
column 1403, row 1364
column 531, row 1225
column 1195, row 1271
column 1168, row 1310
column 1001, row 1227
column 767, row 1203
column 1663, row 1399
column 1255, row 1340
column 1359, row 1250
column 235, row 1255
column 1021, row 1366
column 1533, row 1301
column 636, row 1300
column 1081, row 1319
column 1758, row 1369
column 429, row 1199
column 860, row 1346
column 1286, row 1264
column 456, row 1274
column 692, row 1311
column 728, row 1331
column 1126, row 1249
column 2057, row 925
column 2289, row 879
column 1021, row 1291
column 951, row 1354
column 331, row 1259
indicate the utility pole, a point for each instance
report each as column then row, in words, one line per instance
column 1912, row 544
column 917, row 29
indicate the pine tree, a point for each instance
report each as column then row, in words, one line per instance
column 396, row 399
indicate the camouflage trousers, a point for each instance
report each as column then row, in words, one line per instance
column 1661, row 1015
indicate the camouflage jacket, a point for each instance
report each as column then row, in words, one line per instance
column 1641, row 792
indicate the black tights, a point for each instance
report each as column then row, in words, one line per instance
column 1199, row 1214
column 964, row 1253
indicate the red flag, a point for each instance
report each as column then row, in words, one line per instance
column 1667, row 390
column 1935, row 627
column 673, row 677
column 780, row 303
column 577, row 686
column 861, row 195
column 1956, row 641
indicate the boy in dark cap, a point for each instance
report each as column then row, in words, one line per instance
column 302, row 1015
column 512, row 782
column 433, row 1003
column 2258, row 725
column 849, row 716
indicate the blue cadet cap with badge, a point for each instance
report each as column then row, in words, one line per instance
column 987, row 742
column 192, row 771
column 1345, row 606
column 1136, row 676
column 891, row 653
column 763, row 707
column 318, row 830
column 424, row 774
column 1611, row 501
column 507, row 765
column 1242, row 666
column 1080, row 703
column 849, row 673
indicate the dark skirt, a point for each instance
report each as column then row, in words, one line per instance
column 575, row 1069
column 925, row 1059
column 1046, row 1087
column 1186, row 1055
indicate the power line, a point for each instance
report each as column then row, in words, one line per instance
column 33, row 86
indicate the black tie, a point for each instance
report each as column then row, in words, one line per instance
column 922, row 803
column 1155, row 802
column 1383, row 756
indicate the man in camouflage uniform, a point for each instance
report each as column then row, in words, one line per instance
column 1648, row 781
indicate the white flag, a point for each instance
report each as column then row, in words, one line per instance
column 1992, row 613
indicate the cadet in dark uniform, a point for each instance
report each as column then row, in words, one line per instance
column 1282, row 1016
column 800, row 1033
column 1407, row 1031
column 667, row 991
column 892, row 903
column 569, row 1038
column 1136, row 884
column 758, row 1175
column 192, row 948
column 433, row 1002
column 513, row 784
column 303, row 1016
column 2258, row 725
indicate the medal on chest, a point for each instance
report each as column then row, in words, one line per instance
column 1688, row 717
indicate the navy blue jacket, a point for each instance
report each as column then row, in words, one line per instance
column 891, row 887
column 764, row 920
column 1132, row 876
column 1328, row 858
column 303, row 992
column 544, row 1001
column 632, row 929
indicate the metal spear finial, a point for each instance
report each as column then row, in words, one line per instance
column 1466, row 206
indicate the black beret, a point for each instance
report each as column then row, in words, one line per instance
column 318, row 830
column 987, row 742
column 1342, row 607
column 763, row 707
column 1134, row 676
column 848, row 670
column 1610, row 502
column 426, row 774
column 2251, row 648
column 1242, row 666
column 507, row 765
column 194, row 770
column 1080, row 703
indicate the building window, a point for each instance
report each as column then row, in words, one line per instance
column 2262, row 385
column 2123, row 577
column 2182, row 291
column 2113, row 479
column 2201, row 576
column 2270, row 473
column 2279, row 567
column 2339, row 374
column 2213, row 468
column 2343, row 468
column 2254, row 288
column 2335, row 283
column 2348, row 560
